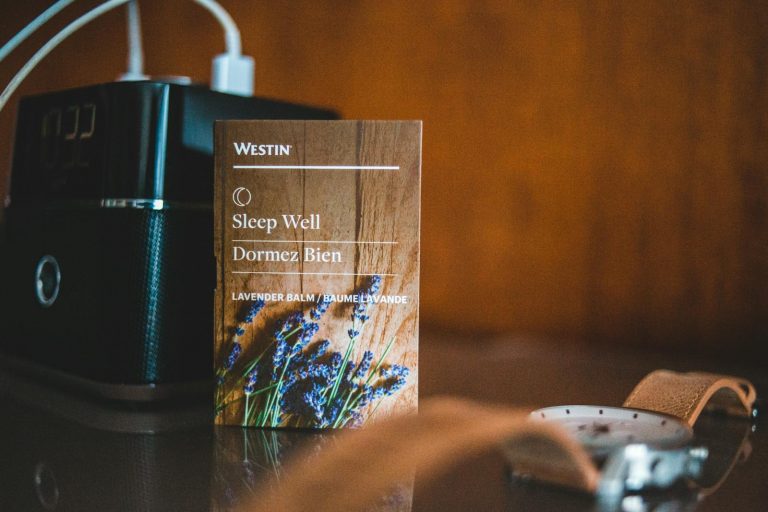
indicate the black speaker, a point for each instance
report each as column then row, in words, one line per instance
column 107, row 259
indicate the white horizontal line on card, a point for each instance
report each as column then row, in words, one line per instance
column 319, row 242
column 323, row 167
column 311, row 273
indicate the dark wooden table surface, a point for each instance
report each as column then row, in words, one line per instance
column 58, row 452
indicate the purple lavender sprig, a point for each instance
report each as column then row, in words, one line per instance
column 281, row 347
column 248, row 390
column 291, row 324
column 372, row 394
column 305, row 399
column 359, row 317
column 253, row 311
column 233, row 355
column 317, row 351
column 237, row 349
column 360, row 311
column 373, row 388
column 286, row 359
column 250, row 382
column 308, row 331
column 320, row 308
column 364, row 366
column 395, row 371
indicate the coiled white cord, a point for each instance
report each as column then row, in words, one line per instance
column 232, row 72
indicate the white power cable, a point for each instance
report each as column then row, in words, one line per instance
column 135, row 69
column 30, row 29
column 232, row 72
column 231, row 32
column 53, row 43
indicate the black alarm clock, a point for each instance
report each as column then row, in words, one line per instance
column 107, row 259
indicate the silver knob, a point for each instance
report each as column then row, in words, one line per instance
column 47, row 281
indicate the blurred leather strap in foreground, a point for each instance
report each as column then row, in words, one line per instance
column 365, row 464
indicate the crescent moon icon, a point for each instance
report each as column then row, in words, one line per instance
column 241, row 196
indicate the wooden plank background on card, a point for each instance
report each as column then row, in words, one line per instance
column 354, row 206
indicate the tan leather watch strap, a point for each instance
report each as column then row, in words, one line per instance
column 369, row 462
column 685, row 395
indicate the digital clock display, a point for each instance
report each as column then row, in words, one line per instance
column 106, row 141
column 59, row 151
column 66, row 135
column 126, row 140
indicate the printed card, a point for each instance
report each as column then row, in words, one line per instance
column 317, row 248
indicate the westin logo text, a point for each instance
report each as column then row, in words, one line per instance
column 249, row 148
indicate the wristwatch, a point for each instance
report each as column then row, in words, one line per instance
column 645, row 444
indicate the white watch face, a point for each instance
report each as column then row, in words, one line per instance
column 601, row 429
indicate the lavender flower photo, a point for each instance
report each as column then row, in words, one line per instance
column 296, row 380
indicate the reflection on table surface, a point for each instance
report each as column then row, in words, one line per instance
column 248, row 462
column 54, row 462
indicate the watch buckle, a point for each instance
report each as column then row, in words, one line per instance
column 638, row 467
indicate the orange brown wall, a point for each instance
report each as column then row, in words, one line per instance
column 593, row 171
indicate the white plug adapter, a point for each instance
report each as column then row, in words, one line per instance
column 233, row 74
